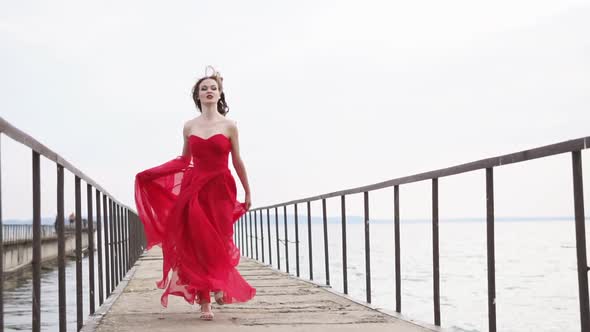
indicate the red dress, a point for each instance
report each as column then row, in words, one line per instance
column 189, row 209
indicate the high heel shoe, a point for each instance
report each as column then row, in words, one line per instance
column 206, row 315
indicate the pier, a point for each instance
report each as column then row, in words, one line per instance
column 282, row 303
column 18, row 245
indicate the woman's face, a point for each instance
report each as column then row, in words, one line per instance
column 209, row 91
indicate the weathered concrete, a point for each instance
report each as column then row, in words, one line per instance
column 282, row 302
column 20, row 255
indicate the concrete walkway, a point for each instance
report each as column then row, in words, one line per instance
column 282, row 303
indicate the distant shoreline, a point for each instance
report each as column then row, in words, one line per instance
column 352, row 220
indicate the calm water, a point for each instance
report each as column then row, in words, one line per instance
column 18, row 298
column 536, row 282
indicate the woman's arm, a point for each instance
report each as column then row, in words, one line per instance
column 238, row 163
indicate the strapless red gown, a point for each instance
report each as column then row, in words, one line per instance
column 189, row 209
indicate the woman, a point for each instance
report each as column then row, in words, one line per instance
column 189, row 209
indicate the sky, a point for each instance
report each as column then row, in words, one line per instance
column 328, row 95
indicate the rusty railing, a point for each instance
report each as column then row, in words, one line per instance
column 247, row 228
column 120, row 237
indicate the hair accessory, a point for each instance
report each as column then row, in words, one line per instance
column 214, row 72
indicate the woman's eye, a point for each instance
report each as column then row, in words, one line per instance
column 213, row 88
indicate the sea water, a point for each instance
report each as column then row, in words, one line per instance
column 535, row 263
column 536, row 277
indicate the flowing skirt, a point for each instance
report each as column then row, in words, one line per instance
column 191, row 213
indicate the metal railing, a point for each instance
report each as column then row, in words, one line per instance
column 247, row 237
column 15, row 234
column 120, row 242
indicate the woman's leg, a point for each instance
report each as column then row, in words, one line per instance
column 205, row 302
column 204, row 296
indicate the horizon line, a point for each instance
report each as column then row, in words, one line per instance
column 357, row 218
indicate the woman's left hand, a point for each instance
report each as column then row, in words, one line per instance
column 248, row 201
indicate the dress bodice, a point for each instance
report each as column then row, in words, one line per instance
column 210, row 154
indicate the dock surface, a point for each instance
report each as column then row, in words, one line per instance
column 282, row 303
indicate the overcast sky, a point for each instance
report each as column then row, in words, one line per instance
column 328, row 95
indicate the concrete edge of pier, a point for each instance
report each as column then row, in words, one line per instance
column 93, row 321
column 391, row 313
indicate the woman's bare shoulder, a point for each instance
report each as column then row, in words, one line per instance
column 188, row 125
column 231, row 123
column 231, row 128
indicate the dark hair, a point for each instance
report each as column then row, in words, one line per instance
column 222, row 107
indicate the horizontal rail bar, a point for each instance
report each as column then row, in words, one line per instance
column 16, row 234
column 544, row 151
column 25, row 139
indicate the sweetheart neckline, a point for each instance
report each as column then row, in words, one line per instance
column 206, row 139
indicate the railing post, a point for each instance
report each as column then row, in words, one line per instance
column 120, row 242
column 136, row 237
column 581, row 240
column 123, row 212
column 286, row 238
column 136, row 233
column 128, row 239
column 90, row 231
column 245, row 234
column 344, row 257
column 435, row 253
column 367, row 247
column 309, row 240
column 277, row 234
column 261, row 235
column 256, row 234
column 269, row 240
column 132, row 237
column 107, row 252
column 243, row 250
column 491, row 250
column 296, row 240
column 112, row 256
column 251, row 237
column 126, row 232
column 239, row 235
column 61, row 251
column 115, row 244
column 398, row 277
column 99, row 248
column 36, row 316
column 326, row 254
column 78, row 199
